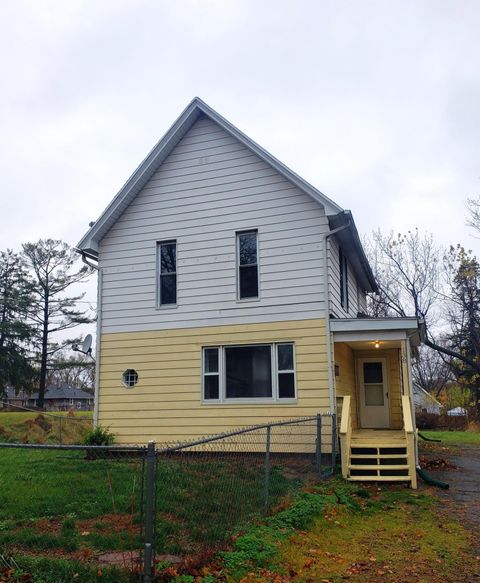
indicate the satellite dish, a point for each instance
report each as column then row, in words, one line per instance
column 87, row 344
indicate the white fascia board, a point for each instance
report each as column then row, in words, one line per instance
column 373, row 324
column 150, row 164
column 368, row 336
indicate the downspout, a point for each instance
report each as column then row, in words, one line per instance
column 97, row 347
column 331, row 388
column 85, row 259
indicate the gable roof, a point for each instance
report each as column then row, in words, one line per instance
column 89, row 243
column 52, row 392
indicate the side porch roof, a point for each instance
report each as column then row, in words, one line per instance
column 364, row 329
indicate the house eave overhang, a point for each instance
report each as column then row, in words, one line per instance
column 371, row 329
column 90, row 241
column 349, row 240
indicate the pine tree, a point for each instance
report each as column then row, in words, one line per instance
column 52, row 270
column 15, row 333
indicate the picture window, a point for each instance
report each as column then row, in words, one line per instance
column 258, row 372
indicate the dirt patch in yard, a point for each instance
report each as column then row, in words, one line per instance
column 462, row 499
column 106, row 523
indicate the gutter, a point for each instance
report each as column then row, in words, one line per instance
column 87, row 258
column 331, row 388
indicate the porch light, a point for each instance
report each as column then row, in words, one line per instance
column 377, row 344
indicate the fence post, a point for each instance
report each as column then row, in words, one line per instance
column 60, row 430
column 267, row 468
column 149, row 527
column 318, row 443
column 334, row 442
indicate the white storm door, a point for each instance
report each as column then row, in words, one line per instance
column 373, row 393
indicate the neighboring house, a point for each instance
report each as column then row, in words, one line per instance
column 60, row 398
column 229, row 293
column 12, row 398
column 425, row 402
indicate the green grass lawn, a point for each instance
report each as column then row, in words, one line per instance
column 363, row 534
column 454, row 437
column 59, row 499
column 58, row 503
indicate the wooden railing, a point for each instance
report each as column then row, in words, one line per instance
column 410, row 436
column 346, row 433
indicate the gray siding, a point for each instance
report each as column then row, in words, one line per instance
column 208, row 188
column 354, row 293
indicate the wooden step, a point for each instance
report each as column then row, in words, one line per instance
column 379, row 478
column 379, row 455
column 373, row 443
column 378, row 467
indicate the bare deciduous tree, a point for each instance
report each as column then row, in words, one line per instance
column 432, row 371
column 76, row 371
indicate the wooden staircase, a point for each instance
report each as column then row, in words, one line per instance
column 378, row 455
column 371, row 455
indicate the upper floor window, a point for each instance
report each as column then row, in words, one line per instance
column 167, row 273
column 247, row 265
column 343, row 280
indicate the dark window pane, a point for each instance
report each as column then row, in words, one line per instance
column 247, row 243
column 211, row 387
column 168, row 289
column 286, row 385
column 372, row 372
column 168, row 258
column 285, row 357
column 249, row 372
column 342, row 278
column 249, row 282
column 130, row 377
column 211, row 359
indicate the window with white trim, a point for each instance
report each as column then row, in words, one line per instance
column 254, row 372
column 167, row 273
column 247, row 265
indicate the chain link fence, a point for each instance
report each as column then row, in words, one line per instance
column 24, row 425
column 71, row 503
column 209, row 489
column 125, row 510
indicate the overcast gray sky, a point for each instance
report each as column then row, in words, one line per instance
column 376, row 103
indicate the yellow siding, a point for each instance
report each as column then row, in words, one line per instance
column 345, row 382
column 166, row 404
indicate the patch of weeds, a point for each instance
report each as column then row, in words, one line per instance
column 362, row 493
column 192, row 579
column 43, row 570
column 69, row 528
column 258, row 546
column 121, row 541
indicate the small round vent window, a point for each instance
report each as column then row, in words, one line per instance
column 130, row 377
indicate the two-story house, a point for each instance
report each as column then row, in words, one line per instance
column 232, row 292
